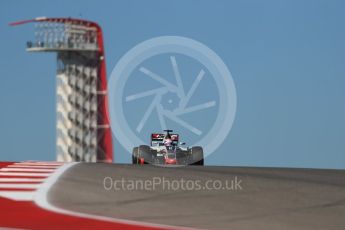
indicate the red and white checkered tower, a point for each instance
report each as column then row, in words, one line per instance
column 83, row 129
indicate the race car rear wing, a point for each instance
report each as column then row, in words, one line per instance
column 157, row 139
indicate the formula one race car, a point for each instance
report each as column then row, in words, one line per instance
column 166, row 149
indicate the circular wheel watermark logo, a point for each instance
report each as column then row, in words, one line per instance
column 171, row 82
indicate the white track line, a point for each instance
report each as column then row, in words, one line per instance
column 20, row 180
column 41, row 199
column 12, row 182
column 26, row 170
column 24, row 174
column 43, row 163
column 32, row 186
column 18, row 195
column 39, row 163
column 32, row 166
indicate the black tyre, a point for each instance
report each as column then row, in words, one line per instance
column 135, row 159
column 197, row 156
column 145, row 152
column 183, row 157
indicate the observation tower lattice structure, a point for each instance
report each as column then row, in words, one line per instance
column 82, row 127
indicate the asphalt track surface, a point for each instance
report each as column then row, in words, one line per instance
column 265, row 198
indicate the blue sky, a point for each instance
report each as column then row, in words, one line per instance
column 287, row 59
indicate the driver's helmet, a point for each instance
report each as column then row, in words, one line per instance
column 167, row 140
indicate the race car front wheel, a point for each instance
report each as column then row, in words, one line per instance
column 197, row 156
column 135, row 159
column 145, row 153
